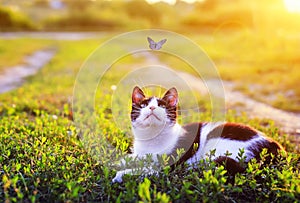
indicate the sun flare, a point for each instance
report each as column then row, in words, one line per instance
column 292, row 6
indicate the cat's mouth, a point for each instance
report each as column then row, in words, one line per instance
column 152, row 114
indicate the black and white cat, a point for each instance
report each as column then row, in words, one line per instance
column 156, row 132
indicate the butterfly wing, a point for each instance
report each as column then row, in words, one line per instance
column 160, row 43
column 152, row 44
column 150, row 40
column 155, row 46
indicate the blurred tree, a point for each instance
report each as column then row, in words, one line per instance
column 78, row 5
column 5, row 18
column 208, row 4
column 141, row 9
column 212, row 14
column 41, row 3
column 12, row 21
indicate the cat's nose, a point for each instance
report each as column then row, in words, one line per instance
column 152, row 108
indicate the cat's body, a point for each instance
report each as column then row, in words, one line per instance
column 156, row 132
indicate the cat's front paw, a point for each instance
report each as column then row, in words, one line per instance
column 118, row 177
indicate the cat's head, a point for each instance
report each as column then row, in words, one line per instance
column 153, row 112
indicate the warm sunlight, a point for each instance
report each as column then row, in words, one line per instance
column 172, row 1
column 166, row 1
column 292, row 6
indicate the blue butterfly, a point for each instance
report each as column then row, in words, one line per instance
column 156, row 46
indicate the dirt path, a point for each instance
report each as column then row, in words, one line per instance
column 14, row 77
column 288, row 122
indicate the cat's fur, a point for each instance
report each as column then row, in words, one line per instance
column 156, row 132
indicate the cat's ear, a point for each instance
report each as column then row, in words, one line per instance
column 171, row 97
column 137, row 95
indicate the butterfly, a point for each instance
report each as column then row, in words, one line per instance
column 156, row 46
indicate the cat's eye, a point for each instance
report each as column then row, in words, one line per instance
column 143, row 105
column 161, row 104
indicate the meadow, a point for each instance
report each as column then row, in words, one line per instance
column 264, row 67
column 43, row 157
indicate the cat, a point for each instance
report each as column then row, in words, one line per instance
column 156, row 132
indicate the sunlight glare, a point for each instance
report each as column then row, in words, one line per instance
column 172, row 2
column 292, row 6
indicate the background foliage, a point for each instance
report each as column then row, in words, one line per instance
column 255, row 44
column 138, row 14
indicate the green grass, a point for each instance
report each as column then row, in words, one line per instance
column 13, row 51
column 264, row 66
column 43, row 158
